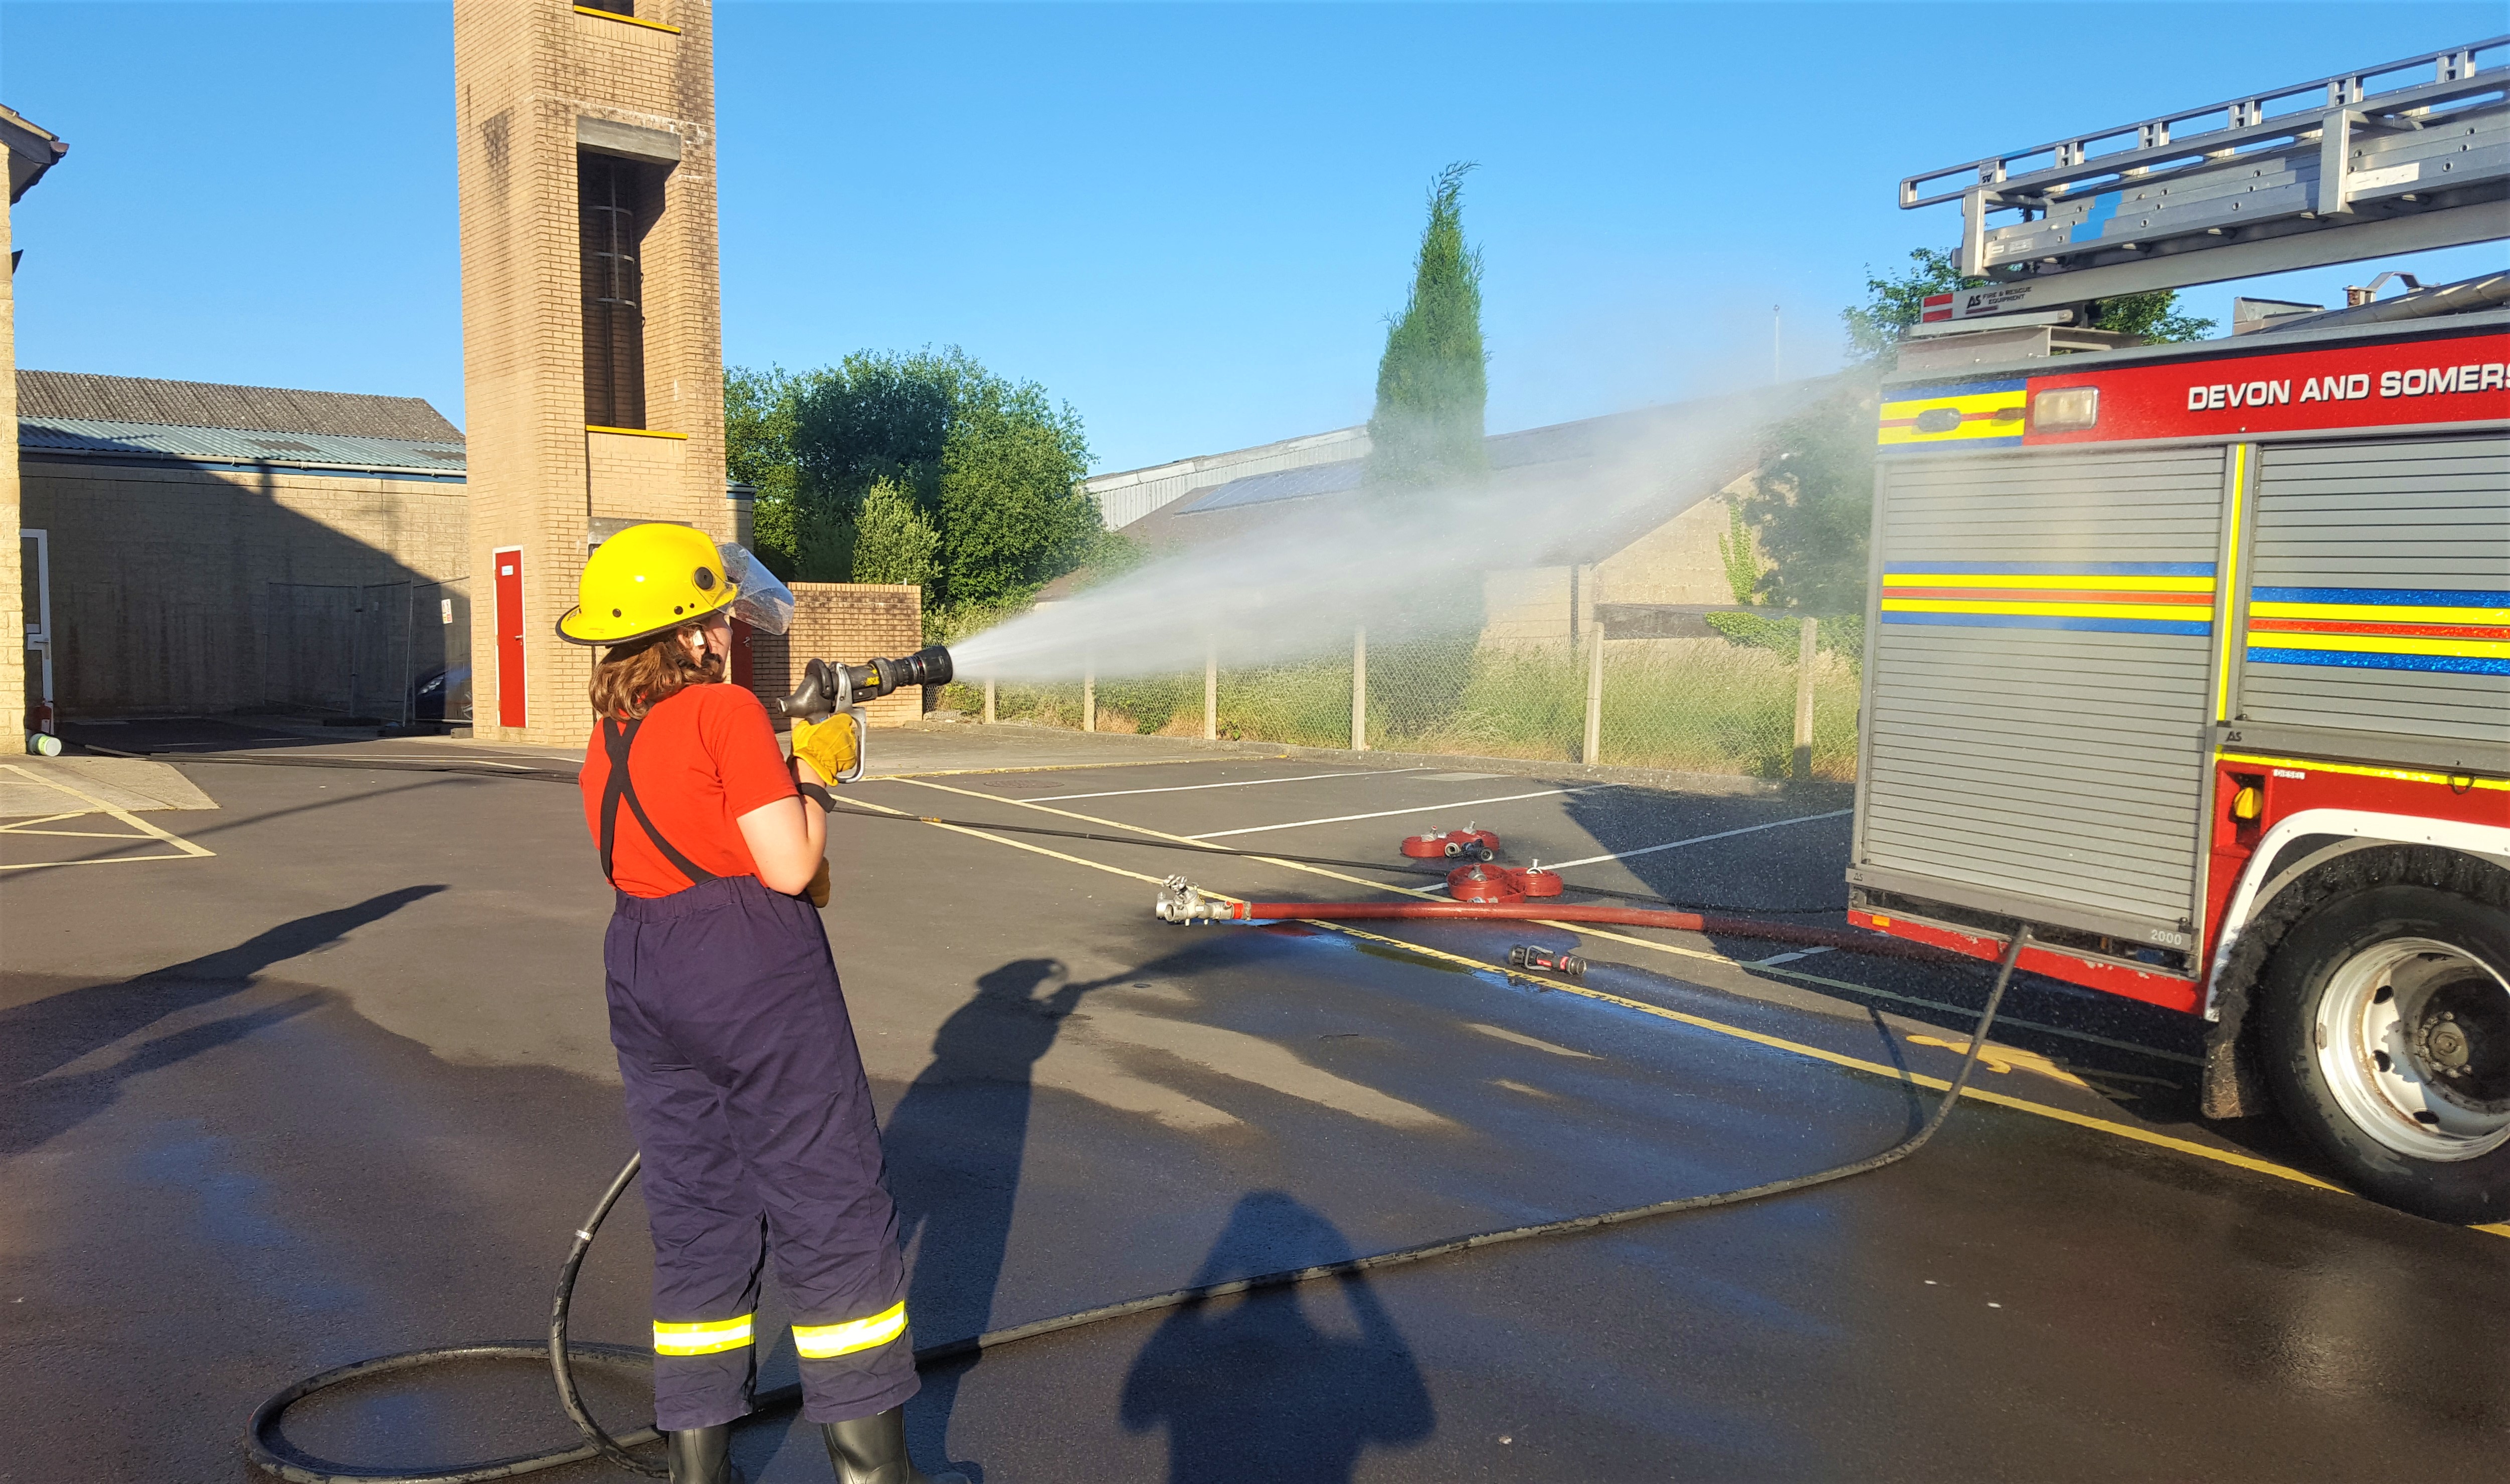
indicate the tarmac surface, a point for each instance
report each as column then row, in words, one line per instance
column 324, row 1073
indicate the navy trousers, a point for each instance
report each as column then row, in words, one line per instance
column 746, row 1094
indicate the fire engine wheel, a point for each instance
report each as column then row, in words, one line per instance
column 2388, row 1027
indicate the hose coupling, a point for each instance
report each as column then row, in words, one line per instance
column 1182, row 901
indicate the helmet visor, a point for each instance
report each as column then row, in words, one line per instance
column 761, row 601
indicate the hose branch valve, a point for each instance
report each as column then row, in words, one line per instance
column 1182, row 901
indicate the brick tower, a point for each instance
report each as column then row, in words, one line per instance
column 592, row 331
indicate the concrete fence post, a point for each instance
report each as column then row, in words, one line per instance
column 989, row 701
column 1090, row 699
column 1804, row 699
column 1211, row 692
column 1359, row 689
column 1594, row 697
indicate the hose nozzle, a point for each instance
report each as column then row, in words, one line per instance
column 828, row 688
column 1182, row 901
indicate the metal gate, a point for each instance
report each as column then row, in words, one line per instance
column 2375, row 563
column 2034, row 703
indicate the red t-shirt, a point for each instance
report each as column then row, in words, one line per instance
column 702, row 759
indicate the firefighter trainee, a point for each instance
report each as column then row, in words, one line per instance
column 745, row 1089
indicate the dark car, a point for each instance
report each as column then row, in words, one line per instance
column 444, row 696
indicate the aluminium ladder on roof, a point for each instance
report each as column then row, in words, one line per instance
column 2409, row 155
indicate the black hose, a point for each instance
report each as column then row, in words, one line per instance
column 1191, row 847
column 265, row 1449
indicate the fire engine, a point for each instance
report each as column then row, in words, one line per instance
column 2194, row 658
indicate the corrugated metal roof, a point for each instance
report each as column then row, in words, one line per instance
column 79, row 395
column 1279, row 484
column 96, row 437
column 1125, row 496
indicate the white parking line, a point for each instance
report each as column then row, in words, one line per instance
column 1305, row 777
column 1726, row 834
column 1387, row 813
column 1787, row 958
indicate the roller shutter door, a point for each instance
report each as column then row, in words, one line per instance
column 2375, row 568
column 2035, row 715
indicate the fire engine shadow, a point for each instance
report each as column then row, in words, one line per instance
column 39, row 1102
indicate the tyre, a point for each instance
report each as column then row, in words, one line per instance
column 2388, row 1041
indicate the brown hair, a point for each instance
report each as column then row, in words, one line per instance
column 634, row 677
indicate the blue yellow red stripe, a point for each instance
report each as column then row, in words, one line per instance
column 1972, row 413
column 2101, row 597
column 2441, row 631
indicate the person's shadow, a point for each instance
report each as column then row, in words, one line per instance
column 955, row 1143
column 1250, row 1389
column 41, row 1036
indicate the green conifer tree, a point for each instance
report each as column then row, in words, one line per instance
column 1431, row 383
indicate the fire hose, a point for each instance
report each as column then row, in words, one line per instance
column 835, row 689
column 267, row 1451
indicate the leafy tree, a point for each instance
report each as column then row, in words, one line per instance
column 1431, row 382
column 1013, row 512
column 989, row 469
column 761, row 411
column 891, row 541
column 1893, row 304
column 2154, row 316
column 825, row 552
column 878, row 416
column 1813, row 504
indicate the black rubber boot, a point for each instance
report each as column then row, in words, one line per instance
column 872, row 1450
column 702, row 1455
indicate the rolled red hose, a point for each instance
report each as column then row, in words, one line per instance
column 1871, row 943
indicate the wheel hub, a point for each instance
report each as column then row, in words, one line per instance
column 2461, row 1043
column 2413, row 1039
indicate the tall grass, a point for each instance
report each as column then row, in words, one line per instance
column 1694, row 706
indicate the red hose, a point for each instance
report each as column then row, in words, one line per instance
column 1872, row 944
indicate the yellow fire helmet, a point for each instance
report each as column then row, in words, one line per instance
column 653, row 578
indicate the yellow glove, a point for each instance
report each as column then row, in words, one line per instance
column 829, row 746
column 818, row 887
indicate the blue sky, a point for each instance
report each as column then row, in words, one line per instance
column 1191, row 221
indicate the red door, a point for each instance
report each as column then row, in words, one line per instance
column 509, row 635
column 744, row 664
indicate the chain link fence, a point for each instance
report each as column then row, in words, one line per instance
column 363, row 650
column 1752, row 698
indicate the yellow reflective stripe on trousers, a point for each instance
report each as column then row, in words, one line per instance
column 821, row 1341
column 705, row 1338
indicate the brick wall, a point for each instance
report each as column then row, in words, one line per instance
column 1677, row 562
column 525, row 72
column 851, row 622
column 165, row 577
column 12, row 602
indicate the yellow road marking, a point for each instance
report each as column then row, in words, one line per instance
column 184, row 849
column 1894, row 1073
column 1583, row 930
column 2110, row 1126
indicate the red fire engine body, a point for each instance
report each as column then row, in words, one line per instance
column 2176, row 651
